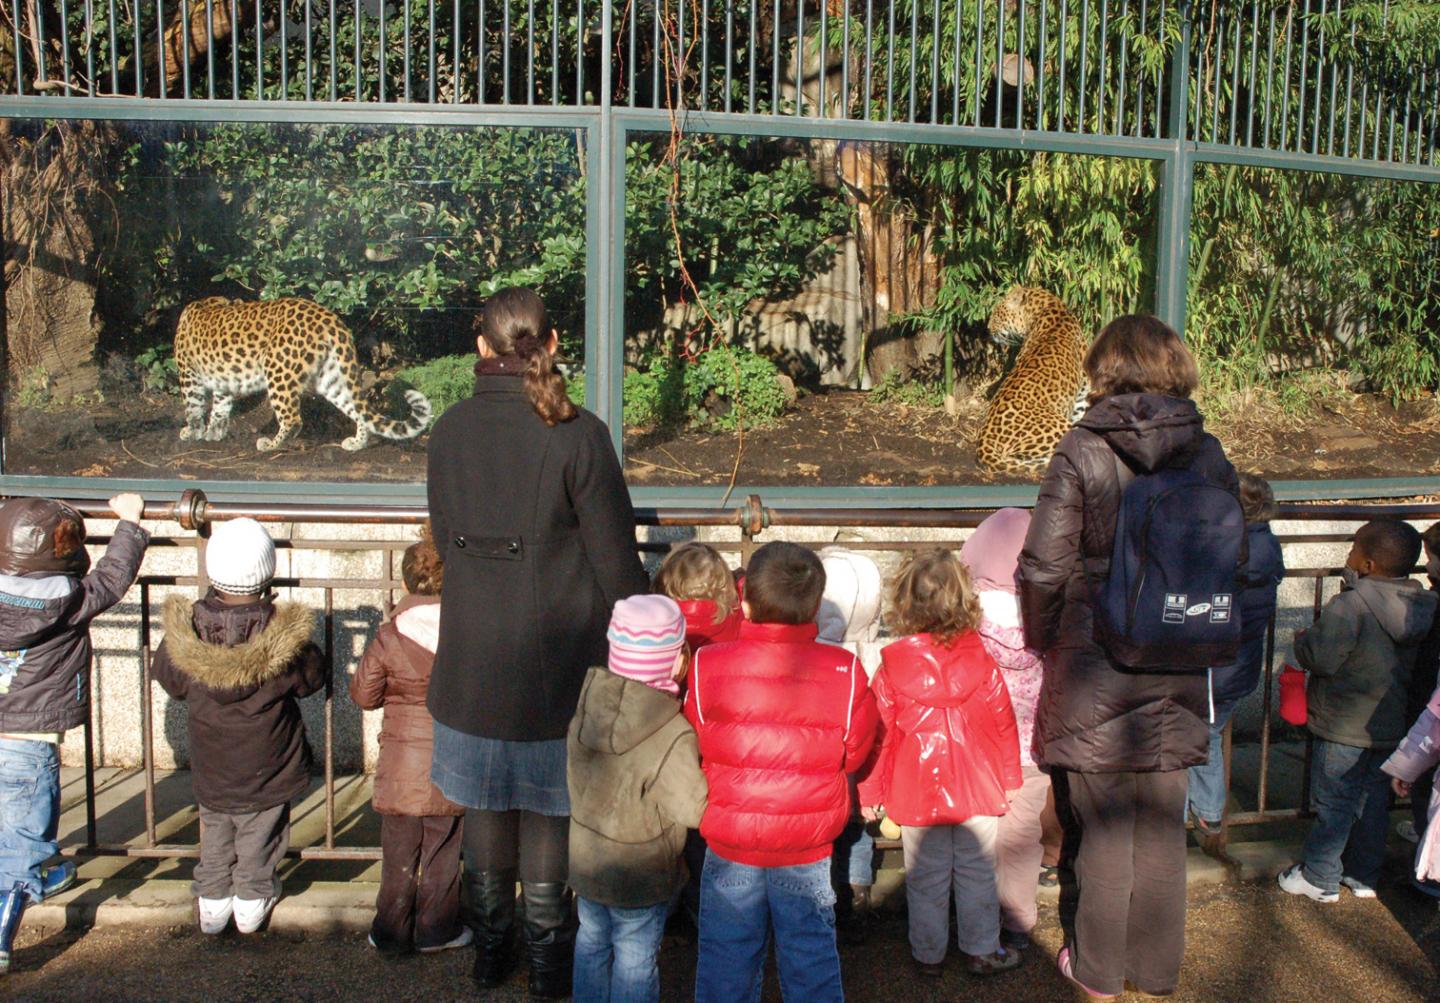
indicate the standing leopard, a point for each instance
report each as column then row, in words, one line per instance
column 1038, row 400
column 226, row 349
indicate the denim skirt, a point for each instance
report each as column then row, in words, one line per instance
column 497, row 775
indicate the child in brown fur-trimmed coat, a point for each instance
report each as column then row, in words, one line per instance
column 242, row 662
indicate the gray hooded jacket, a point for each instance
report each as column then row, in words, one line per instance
column 1360, row 654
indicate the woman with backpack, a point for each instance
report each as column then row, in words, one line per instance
column 1119, row 739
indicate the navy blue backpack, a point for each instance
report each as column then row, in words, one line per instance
column 1170, row 600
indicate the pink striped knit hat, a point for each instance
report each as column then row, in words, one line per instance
column 646, row 633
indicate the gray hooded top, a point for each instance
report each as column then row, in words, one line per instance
column 1360, row 654
column 635, row 787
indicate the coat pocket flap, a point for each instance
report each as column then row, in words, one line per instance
column 499, row 548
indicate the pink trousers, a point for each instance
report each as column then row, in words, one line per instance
column 1018, row 853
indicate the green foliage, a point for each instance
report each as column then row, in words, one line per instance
column 158, row 369
column 575, row 389
column 750, row 221
column 894, row 388
column 722, row 389
column 446, row 381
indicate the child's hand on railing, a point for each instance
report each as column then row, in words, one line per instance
column 128, row 506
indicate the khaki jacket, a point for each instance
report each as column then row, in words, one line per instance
column 635, row 787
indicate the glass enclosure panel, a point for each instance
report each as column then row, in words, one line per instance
column 812, row 312
column 1314, row 313
column 354, row 260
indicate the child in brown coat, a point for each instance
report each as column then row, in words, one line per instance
column 419, row 901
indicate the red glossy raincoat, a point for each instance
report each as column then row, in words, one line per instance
column 949, row 749
column 700, row 626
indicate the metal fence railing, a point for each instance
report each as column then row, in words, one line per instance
column 752, row 520
column 1322, row 76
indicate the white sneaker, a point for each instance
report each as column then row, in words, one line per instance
column 1360, row 888
column 251, row 914
column 1405, row 829
column 461, row 939
column 1293, row 880
column 214, row 914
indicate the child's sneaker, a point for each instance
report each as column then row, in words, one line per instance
column 251, row 914
column 462, row 939
column 993, row 964
column 1360, row 888
column 12, row 907
column 1293, row 880
column 214, row 914
column 54, row 880
column 1406, row 830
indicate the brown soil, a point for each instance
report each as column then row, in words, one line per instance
column 842, row 437
column 838, row 437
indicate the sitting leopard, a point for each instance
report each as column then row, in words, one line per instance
column 1043, row 394
column 229, row 348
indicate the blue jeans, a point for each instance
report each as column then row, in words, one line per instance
column 1350, row 798
column 29, row 812
column 1207, row 781
column 853, row 860
column 617, row 953
column 740, row 906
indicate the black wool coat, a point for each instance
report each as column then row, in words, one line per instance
column 538, row 534
column 1093, row 717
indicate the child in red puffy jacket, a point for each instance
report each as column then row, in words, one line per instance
column 949, row 761
column 781, row 720
column 699, row 580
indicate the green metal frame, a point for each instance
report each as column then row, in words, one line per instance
column 608, row 130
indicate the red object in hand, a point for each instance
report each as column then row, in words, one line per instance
column 1293, row 707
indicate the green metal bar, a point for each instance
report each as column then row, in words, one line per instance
column 1177, row 180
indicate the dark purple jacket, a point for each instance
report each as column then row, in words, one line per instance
column 242, row 670
column 45, row 636
column 1094, row 717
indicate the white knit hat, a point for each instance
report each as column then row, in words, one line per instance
column 850, row 606
column 240, row 557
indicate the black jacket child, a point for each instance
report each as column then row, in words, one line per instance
column 45, row 616
column 243, row 669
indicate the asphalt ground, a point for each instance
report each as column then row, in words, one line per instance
column 1247, row 943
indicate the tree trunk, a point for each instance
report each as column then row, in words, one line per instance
column 53, row 230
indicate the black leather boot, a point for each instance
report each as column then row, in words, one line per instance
column 549, row 938
column 490, row 912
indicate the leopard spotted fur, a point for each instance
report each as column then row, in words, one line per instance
column 1038, row 399
column 226, row 349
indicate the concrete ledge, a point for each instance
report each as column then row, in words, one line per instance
column 349, row 906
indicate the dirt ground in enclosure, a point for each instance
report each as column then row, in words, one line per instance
column 838, row 437
column 845, row 437
column 1248, row 944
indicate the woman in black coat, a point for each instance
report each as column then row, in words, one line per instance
column 1118, row 742
column 530, row 510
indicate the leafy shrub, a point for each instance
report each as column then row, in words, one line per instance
column 158, row 369
column 894, row 388
column 722, row 389
column 446, row 381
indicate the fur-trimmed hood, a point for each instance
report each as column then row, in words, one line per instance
column 284, row 628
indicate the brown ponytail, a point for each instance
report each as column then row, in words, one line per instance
column 515, row 323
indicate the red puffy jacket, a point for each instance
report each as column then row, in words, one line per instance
column 700, row 626
column 949, row 749
column 782, row 719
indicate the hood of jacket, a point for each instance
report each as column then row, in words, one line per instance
column 1403, row 607
column 417, row 618
column 617, row 714
column 27, row 538
column 938, row 676
column 249, row 644
column 1148, row 431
